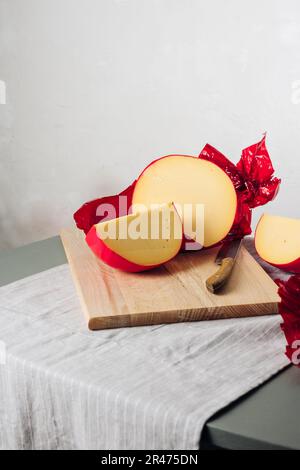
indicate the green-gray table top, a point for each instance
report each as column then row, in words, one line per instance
column 266, row 418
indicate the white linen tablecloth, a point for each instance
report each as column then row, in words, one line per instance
column 152, row 387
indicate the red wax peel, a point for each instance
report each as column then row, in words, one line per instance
column 257, row 170
column 252, row 178
column 95, row 211
column 289, row 308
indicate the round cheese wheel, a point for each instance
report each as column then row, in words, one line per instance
column 202, row 193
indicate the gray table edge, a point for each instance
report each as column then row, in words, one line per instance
column 266, row 418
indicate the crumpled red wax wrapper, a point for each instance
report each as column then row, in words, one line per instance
column 242, row 223
column 252, row 178
column 257, row 170
column 289, row 309
column 88, row 215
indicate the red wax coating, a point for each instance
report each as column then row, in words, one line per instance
column 289, row 308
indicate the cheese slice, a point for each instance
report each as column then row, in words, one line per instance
column 191, row 183
column 148, row 237
column 277, row 239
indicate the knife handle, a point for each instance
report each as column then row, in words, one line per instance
column 217, row 280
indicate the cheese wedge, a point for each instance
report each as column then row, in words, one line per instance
column 191, row 183
column 277, row 241
column 138, row 241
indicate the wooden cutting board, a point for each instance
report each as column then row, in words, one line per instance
column 174, row 292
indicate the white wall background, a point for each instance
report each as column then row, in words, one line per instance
column 98, row 88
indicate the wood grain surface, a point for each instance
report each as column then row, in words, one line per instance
column 174, row 292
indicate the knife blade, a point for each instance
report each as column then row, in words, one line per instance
column 225, row 258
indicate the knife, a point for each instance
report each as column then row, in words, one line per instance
column 226, row 258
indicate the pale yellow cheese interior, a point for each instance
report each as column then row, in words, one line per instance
column 277, row 239
column 147, row 237
column 190, row 180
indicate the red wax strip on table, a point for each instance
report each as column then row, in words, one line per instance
column 289, row 309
